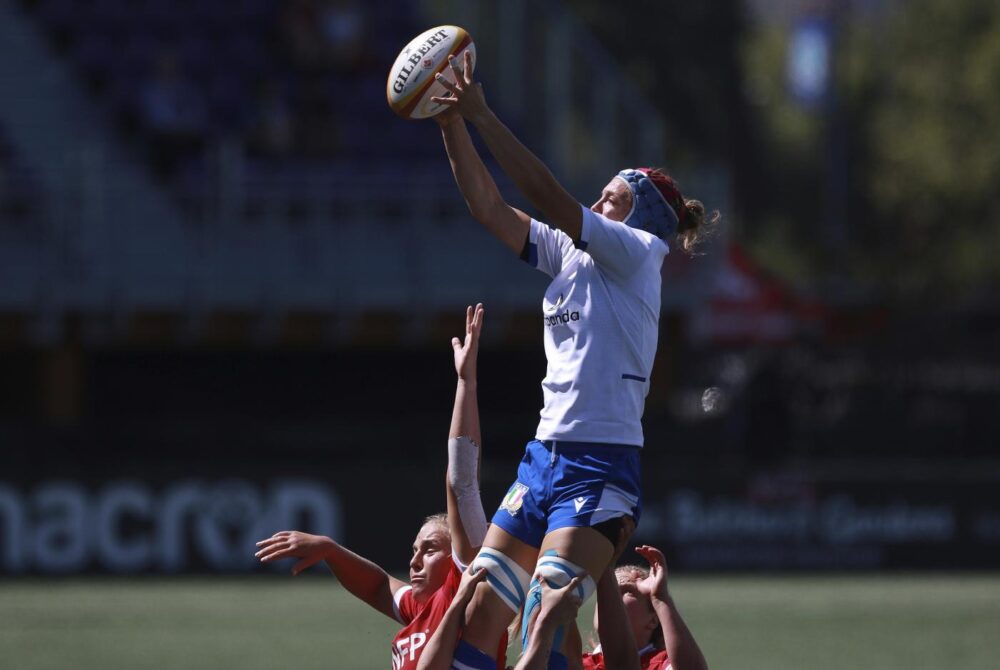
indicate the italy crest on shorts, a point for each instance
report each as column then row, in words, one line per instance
column 514, row 499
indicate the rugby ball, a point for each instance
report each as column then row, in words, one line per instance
column 411, row 83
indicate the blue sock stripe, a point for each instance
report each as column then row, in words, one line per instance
column 510, row 575
column 562, row 568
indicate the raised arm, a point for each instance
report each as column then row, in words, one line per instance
column 613, row 628
column 466, row 517
column 528, row 173
column 681, row 646
column 481, row 194
column 365, row 580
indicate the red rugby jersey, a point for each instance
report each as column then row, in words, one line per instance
column 650, row 658
column 420, row 622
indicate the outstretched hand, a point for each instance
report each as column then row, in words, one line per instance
column 655, row 585
column 467, row 351
column 466, row 96
column 311, row 549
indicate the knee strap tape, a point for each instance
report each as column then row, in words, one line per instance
column 508, row 579
column 558, row 572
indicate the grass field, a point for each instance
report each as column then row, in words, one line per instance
column 815, row 623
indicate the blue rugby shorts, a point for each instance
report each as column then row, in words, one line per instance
column 570, row 484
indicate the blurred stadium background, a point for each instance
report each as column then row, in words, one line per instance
column 229, row 275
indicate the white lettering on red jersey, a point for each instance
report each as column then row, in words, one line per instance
column 420, row 622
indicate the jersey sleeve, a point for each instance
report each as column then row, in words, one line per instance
column 615, row 247
column 403, row 605
column 546, row 248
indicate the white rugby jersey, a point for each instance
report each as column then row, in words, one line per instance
column 601, row 320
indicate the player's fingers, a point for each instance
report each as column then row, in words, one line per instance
column 267, row 554
column 272, row 552
column 441, row 79
column 269, row 541
column 277, row 537
column 455, row 68
column 266, row 540
column 444, row 101
column 467, row 67
column 652, row 554
column 456, row 344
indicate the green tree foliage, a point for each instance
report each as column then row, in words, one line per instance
column 925, row 88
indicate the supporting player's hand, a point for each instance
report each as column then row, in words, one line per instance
column 559, row 606
column 655, row 585
column 466, row 351
column 311, row 549
column 467, row 587
column 466, row 95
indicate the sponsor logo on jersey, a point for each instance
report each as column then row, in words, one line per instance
column 554, row 307
column 561, row 319
column 514, row 499
column 406, row 649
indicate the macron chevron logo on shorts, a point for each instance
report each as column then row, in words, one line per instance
column 579, row 503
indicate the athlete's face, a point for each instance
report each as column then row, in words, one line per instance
column 615, row 202
column 429, row 565
column 639, row 610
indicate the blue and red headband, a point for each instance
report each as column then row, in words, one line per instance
column 657, row 205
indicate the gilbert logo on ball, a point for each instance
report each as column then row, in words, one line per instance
column 411, row 83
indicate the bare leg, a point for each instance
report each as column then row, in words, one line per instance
column 584, row 546
column 487, row 616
